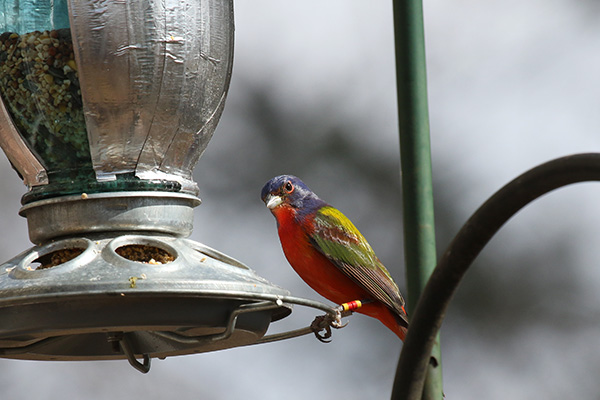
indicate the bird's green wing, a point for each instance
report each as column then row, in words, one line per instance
column 337, row 238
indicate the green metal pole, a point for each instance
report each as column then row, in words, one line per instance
column 415, row 155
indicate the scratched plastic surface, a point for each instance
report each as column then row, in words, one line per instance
column 154, row 76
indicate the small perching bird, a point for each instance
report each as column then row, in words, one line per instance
column 331, row 255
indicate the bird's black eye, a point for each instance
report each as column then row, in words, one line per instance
column 288, row 187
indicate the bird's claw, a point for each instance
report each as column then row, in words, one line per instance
column 325, row 323
column 337, row 322
column 319, row 325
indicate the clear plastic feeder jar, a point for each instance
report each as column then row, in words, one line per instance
column 111, row 96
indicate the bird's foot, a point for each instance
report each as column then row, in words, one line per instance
column 337, row 322
column 325, row 323
column 321, row 323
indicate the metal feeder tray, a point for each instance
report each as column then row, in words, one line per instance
column 102, row 306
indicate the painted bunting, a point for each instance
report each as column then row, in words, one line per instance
column 331, row 255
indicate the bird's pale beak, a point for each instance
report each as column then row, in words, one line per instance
column 273, row 201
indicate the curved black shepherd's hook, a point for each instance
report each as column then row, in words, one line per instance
column 470, row 240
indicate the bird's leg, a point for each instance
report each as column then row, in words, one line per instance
column 326, row 322
column 351, row 306
column 346, row 309
column 337, row 321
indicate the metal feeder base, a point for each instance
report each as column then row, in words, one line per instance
column 100, row 305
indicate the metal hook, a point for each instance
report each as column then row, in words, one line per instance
column 127, row 350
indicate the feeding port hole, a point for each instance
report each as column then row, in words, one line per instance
column 145, row 254
column 55, row 258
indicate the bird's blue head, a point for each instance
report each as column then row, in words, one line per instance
column 288, row 190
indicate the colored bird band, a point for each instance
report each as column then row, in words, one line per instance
column 352, row 305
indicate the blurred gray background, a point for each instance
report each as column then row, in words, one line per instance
column 511, row 84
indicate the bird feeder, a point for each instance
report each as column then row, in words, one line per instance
column 106, row 108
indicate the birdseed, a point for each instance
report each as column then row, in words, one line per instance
column 145, row 254
column 39, row 84
column 57, row 257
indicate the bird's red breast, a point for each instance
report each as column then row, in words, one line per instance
column 320, row 273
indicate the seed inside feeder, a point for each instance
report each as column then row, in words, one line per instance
column 39, row 84
column 145, row 254
column 56, row 257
